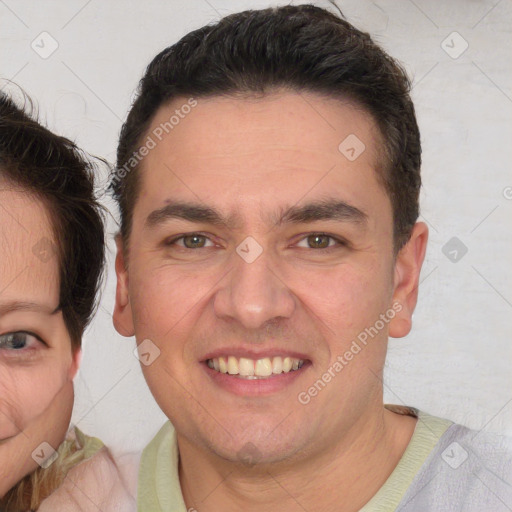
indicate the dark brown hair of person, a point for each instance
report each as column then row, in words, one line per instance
column 52, row 169
column 300, row 48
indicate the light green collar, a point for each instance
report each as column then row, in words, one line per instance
column 159, row 484
column 159, row 487
column 427, row 432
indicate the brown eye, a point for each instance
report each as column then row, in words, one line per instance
column 191, row 241
column 194, row 241
column 318, row 241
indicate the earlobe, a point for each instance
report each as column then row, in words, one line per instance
column 407, row 272
column 122, row 316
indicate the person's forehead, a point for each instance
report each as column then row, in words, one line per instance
column 286, row 116
column 23, row 216
column 28, row 256
column 271, row 150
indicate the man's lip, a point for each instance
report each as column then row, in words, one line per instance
column 253, row 354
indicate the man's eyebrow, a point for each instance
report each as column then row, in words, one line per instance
column 9, row 307
column 324, row 209
column 190, row 212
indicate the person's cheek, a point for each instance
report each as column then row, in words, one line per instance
column 14, row 402
column 9, row 410
column 18, row 456
column 53, row 422
column 334, row 296
column 166, row 298
column 34, row 388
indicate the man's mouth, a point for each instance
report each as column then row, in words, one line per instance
column 244, row 368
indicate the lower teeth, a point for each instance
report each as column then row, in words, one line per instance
column 250, row 377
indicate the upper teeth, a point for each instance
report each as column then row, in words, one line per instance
column 260, row 367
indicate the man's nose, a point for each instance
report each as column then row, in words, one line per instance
column 254, row 293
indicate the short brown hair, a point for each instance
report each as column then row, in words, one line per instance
column 303, row 48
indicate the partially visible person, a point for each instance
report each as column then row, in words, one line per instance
column 51, row 263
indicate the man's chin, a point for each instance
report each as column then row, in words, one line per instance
column 258, row 443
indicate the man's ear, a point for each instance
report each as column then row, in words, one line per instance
column 407, row 273
column 122, row 316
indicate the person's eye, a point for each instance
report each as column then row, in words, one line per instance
column 17, row 341
column 191, row 241
column 320, row 241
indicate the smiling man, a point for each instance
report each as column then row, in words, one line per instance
column 268, row 181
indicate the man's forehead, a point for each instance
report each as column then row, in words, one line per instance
column 315, row 119
column 226, row 170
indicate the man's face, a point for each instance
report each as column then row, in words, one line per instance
column 322, row 278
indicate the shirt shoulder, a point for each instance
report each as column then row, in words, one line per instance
column 467, row 470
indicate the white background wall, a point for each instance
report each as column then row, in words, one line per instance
column 457, row 362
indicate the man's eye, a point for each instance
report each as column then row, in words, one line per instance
column 192, row 241
column 17, row 341
column 312, row 241
column 319, row 241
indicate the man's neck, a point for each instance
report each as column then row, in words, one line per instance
column 342, row 478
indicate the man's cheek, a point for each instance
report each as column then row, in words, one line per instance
column 335, row 301
column 165, row 297
column 142, row 312
column 151, row 303
column 168, row 378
